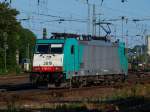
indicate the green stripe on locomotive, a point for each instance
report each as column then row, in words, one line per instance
column 48, row 41
column 123, row 58
column 72, row 57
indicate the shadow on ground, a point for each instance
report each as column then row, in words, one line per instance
column 133, row 104
column 130, row 104
column 17, row 87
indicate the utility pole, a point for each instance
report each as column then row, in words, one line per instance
column 88, row 22
column 99, row 26
column 5, row 35
column 28, row 51
column 122, row 18
column 42, row 6
column 115, row 32
column 94, row 21
column 89, row 18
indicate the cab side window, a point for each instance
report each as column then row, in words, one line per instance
column 72, row 49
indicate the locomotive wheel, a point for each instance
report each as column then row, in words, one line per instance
column 124, row 78
column 34, row 82
column 58, row 83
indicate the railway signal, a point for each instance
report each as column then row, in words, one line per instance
column 44, row 33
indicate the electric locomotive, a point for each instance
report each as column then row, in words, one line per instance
column 77, row 60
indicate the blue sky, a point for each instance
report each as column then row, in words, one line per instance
column 77, row 9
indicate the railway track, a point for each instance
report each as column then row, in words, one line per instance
column 20, row 83
column 28, row 93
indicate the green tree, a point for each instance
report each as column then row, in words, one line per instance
column 26, row 43
column 18, row 38
column 9, row 25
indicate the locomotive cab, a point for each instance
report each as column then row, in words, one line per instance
column 48, row 58
column 47, row 63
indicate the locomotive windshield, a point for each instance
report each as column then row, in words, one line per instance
column 50, row 49
column 42, row 49
column 56, row 49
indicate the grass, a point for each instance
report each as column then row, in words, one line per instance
column 129, row 99
column 16, row 70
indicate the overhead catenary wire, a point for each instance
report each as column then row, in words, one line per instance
column 63, row 20
column 52, row 16
column 68, row 18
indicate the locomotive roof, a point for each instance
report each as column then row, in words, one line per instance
column 92, row 42
column 78, row 37
column 61, row 37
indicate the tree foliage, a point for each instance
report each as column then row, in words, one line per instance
column 17, row 37
column 26, row 43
